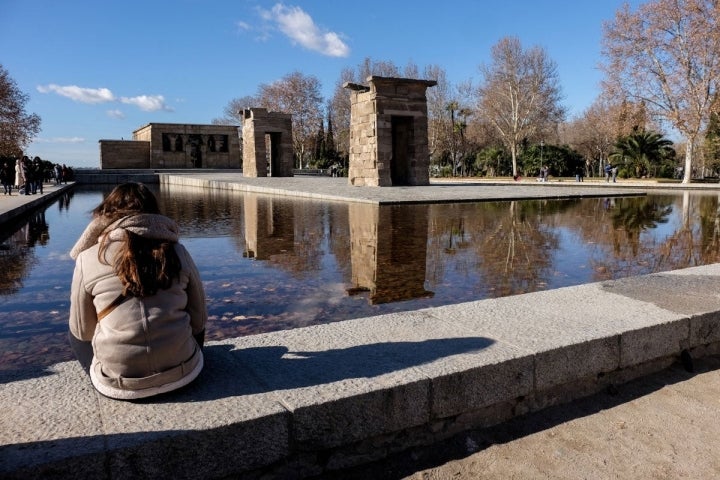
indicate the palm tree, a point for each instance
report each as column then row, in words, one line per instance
column 640, row 149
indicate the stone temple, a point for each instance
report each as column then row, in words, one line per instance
column 174, row 145
column 389, row 132
column 388, row 139
column 267, row 143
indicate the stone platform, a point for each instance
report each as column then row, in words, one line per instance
column 439, row 191
column 317, row 400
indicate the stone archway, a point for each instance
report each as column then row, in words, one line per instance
column 388, row 132
column 267, row 143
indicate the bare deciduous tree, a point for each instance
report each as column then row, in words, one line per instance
column 232, row 112
column 340, row 102
column 17, row 128
column 340, row 107
column 438, row 98
column 667, row 55
column 298, row 95
column 594, row 133
column 520, row 93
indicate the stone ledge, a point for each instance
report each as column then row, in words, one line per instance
column 17, row 205
column 300, row 402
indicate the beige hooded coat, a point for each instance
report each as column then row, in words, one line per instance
column 144, row 346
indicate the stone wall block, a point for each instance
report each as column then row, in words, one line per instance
column 560, row 365
column 649, row 343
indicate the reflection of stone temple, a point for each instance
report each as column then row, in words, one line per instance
column 388, row 252
column 173, row 145
column 269, row 227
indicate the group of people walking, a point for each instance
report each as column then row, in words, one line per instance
column 28, row 176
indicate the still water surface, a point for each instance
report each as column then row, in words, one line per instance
column 272, row 263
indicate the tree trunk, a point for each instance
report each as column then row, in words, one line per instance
column 687, row 173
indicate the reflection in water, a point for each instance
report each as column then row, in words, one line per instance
column 269, row 227
column 387, row 253
column 630, row 219
column 17, row 253
column 273, row 263
column 516, row 255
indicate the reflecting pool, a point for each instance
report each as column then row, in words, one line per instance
column 273, row 263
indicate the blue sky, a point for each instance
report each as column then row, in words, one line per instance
column 101, row 69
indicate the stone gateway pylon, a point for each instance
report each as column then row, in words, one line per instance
column 267, row 143
column 389, row 132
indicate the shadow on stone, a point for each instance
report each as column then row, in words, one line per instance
column 231, row 371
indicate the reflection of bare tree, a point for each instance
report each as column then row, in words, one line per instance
column 516, row 256
column 203, row 212
column 506, row 247
column 508, row 244
column 339, row 238
column 697, row 240
column 308, row 238
column 710, row 228
column 627, row 239
column 452, row 229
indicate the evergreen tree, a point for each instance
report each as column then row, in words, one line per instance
column 640, row 150
column 330, row 140
column 320, row 147
column 712, row 143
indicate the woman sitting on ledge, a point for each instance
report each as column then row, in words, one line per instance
column 137, row 306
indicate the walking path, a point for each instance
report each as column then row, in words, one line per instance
column 320, row 400
column 12, row 206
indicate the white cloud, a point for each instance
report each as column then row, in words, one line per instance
column 147, row 103
column 60, row 140
column 300, row 27
column 243, row 25
column 116, row 114
column 79, row 94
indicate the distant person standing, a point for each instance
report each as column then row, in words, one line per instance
column 614, row 172
column 579, row 174
column 27, row 175
column 7, row 175
column 64, row 173
column 544, row 171
column 30, row 177
column 57, row 173
column 19, row 176
column 608, row 171
column 38, row 175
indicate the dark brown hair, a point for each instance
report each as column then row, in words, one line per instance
column 143, row 265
